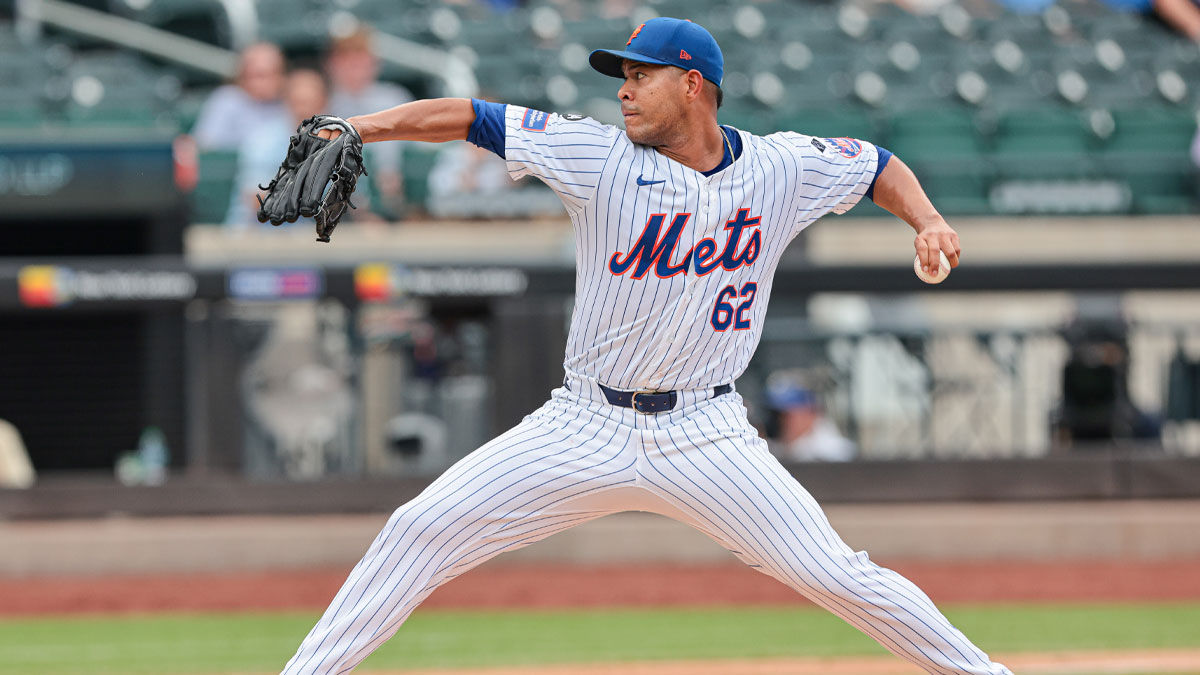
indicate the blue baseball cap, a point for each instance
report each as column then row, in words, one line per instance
column 785, row 395
column 666, row 42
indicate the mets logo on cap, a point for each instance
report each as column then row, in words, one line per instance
column 635, row 34
column 665, row 41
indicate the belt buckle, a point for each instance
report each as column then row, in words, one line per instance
column 634, row 404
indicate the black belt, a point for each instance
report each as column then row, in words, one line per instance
column 649, row 402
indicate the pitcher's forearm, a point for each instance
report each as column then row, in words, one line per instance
column 898, row 191
column 434, row 120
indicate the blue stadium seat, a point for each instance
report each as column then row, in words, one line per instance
column 210, row 199
column 831, row 123
column 936, row 136
column 1051, row 142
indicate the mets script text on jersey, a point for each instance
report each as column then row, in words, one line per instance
column 652, row 251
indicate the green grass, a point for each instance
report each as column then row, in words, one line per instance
column 260, row 643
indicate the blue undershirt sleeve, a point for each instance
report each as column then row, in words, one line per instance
column 487, row 131
column 884, row 156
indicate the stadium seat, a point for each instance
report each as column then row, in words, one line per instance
column 483, row 37
column 963, row 106
column 124, row 114
column 598, row 33
column 1148, row 150
column 419, row 159
column 960, row 189
column 1057, row 121
column 1048, row 143
column 114, row 89
column 210, row 199
column 1157, row 127
column 948, row 153
column 939, row 135
column 292, row 27
column 18, row 110
column 831, row 123
column 1162, row 191
column 754, row 119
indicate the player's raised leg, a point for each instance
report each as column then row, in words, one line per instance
column 525, row 485
column 715, row 469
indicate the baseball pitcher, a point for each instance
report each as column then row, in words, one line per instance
column 679, row 225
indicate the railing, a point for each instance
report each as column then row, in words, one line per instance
column 457, row 77
column 952, row 394
column 127, row 33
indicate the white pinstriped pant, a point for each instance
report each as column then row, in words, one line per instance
column 578, row 458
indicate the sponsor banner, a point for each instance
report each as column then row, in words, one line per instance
column 56, row 286
column 276, row 284
column 52, row 175
column 379, row 281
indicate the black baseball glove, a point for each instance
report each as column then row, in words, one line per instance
column 316, row 178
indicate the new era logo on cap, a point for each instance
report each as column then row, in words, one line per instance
column 666, row 42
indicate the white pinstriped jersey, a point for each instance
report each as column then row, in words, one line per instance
column 674, row 271
column 674, row 268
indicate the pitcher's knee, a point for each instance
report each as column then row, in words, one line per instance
column 417, row 523
column 847, row 578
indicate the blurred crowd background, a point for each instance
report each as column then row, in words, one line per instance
column 151, row 326
column 991, row 101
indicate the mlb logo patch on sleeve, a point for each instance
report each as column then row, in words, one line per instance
column 535, row 120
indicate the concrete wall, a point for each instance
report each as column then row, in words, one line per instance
column 1102, row 530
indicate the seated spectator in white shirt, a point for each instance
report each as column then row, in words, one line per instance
column 233, row 110
column 461, row 172
column 799, row 430
column 264, row 144
column 1196, row 146
column 468, row 181
column 353, row 71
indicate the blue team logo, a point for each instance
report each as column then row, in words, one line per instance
column 847, row 147
column 535, row 120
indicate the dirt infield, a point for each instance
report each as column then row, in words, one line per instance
column 498, row 586
column 1075, row 663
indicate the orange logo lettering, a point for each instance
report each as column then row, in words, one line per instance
column 635, row 33
column 684, row 55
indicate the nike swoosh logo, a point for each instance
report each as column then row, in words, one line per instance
column 641, row 181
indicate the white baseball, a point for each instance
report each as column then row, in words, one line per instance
column 942, row 273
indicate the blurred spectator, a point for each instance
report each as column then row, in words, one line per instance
column 1096, row 405
column 469, row 182
column 264, row 144
column 1196, row 147
column 1181, row 15
column 16, row 471
column 617, row 9
column 233, row 110
column 463, row 173
column 798, row 429
column 494, row 5
column 353, row 71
